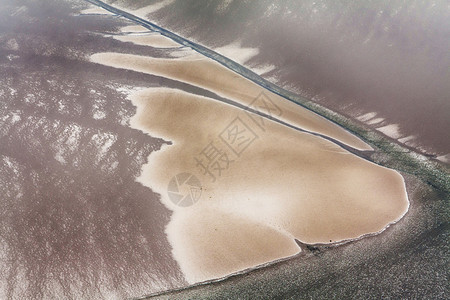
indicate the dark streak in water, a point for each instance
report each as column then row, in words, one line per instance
column 433, row 173
column 388, row 153
column 234, row 66
column 230, row 64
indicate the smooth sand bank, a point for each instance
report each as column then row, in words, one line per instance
column 140, row 35
column 208, row 74
column 284, row 185
column 134, row 29
column 95, row 11
column 144, row 11
column 152, row 39
column 236, row 52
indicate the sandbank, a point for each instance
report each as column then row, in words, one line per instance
column 208, row 74
column 285, row 185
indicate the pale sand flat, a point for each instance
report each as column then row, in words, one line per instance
column 375, row 121
column 262, row 69
column 144, row 11
column 391, row 130
column 206, row 73
column 134, row 28
column 226, row 243
column 240, row 54
column 185, row 54
column 444, row 158
column 95, row 11
column 366, row 117
column 152, row 40
column 237, row 53
column 284, row 185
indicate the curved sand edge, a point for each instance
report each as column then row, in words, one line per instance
column 154, row 40
column 315, row 191
column 208, row 74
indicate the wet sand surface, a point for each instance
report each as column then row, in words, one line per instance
column 407, row 261
column 274, row 289
column 94, row 11
column 315, row 191
column 74, row 223
column 153, row 40
column 211, row 75
column 288, row 202
column 390, row 58
column 78, row 219
column 133, row 28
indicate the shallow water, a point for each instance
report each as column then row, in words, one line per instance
column 387, row 57
column 74, row 221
